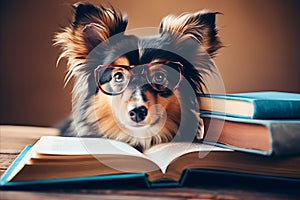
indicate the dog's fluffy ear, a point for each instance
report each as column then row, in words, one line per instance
column 91, row 26
column 200, row 26
column 97, row 23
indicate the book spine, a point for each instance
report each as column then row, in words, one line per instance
column 276, row 109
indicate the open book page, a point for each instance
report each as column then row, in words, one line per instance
column 164, row 154
column 84, row 146
column 161, row 155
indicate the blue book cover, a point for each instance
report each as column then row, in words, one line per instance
column 253, row 105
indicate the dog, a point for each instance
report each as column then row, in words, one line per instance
column 138, row 90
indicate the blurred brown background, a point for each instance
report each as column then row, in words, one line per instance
column 262, row 50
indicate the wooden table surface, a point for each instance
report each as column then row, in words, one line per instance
column 14, row 138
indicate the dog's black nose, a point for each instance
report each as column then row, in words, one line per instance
column 138, row 114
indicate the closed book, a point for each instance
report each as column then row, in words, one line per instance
column 254, row 105
column 262, row 136
column 101, row 163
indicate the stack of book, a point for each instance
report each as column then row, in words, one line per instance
column 266, row 123
column 252, row 135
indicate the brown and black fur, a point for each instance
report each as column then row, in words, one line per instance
column 96, row 36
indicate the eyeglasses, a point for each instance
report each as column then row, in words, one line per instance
column 162, row 76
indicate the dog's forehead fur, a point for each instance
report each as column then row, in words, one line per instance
column 138, row 50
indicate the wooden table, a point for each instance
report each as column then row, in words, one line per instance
column 14, row 138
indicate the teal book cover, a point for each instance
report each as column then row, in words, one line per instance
column 253, row 105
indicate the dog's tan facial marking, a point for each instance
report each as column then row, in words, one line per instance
column 173, row 109
column 157, row 60
column 122, row 61
column 103, row 112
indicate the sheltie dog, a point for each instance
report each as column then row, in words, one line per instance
column 138, row 90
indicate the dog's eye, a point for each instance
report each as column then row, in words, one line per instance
column 159, row 78
column 119, row 77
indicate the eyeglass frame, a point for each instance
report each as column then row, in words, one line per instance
column 129, row 69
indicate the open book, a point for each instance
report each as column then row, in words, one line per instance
column 54, row 158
